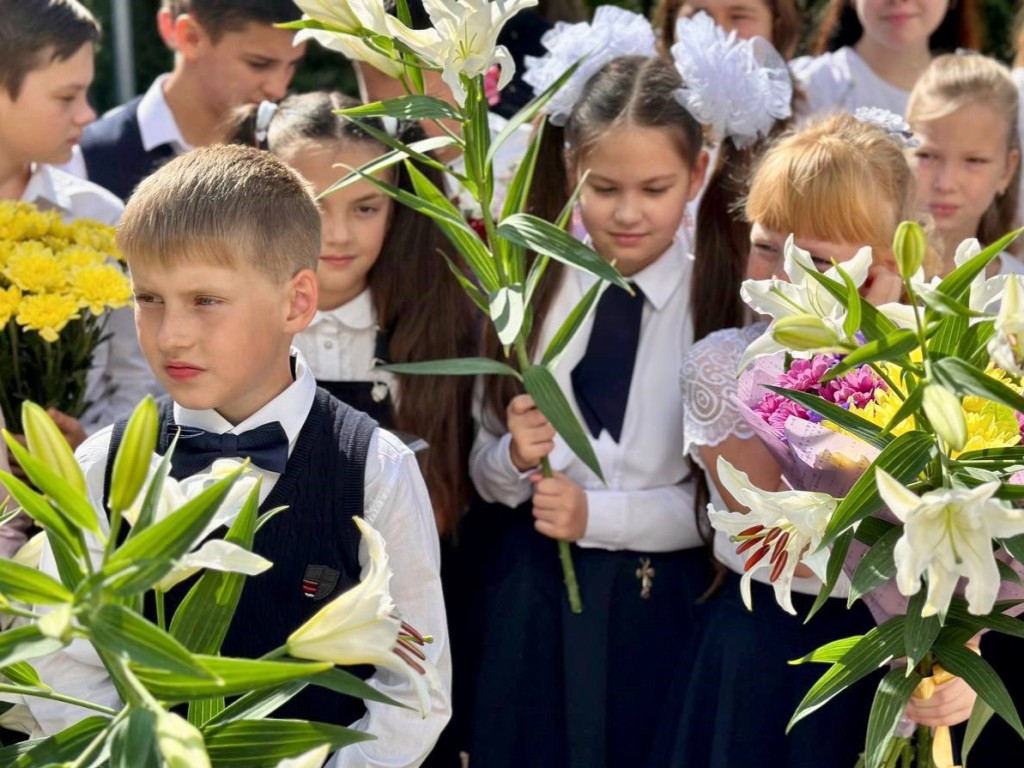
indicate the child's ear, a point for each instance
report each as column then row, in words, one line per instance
column 697, row 173
column 189, row 36
column 303, row 293
column 1012, row 162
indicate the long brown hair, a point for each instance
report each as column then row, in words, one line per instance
column 786, row 24
column 424, row 312
column 627, row 91
column 840, row 27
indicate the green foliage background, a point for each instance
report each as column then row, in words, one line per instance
column 323, row 69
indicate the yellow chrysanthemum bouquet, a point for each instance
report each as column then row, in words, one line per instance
column 58, row 282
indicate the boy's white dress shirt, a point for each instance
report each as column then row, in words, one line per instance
column 157, row 127
column 117, row 364
column 396, row 503
column 644, row 504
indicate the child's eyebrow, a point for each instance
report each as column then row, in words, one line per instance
column 371, row 196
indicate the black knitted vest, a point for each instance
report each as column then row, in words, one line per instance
column 322, row 487
column 113, row 151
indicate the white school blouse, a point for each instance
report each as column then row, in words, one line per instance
column 396, row 503
column 118, row 367
column 341, row 344
column 644, row 503
column 841, row 81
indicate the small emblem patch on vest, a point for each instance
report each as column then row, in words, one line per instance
column 319, row 581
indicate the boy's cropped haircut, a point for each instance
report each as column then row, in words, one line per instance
column 226, row 205
column 218, row 17
column 34, row 33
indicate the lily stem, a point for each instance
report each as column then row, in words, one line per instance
column 42, row 693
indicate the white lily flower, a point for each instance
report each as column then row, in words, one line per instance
column 467, row 39
column 800, row 295
column 215, row 555
column 1006, row 347
column 782, row 530
column 948, row 533
column 315, row 758
column 361, row 627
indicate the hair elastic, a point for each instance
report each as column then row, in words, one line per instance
column 264, row 114
column 390, row 124
column 894, row 125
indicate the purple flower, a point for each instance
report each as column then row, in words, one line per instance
column 857, row 387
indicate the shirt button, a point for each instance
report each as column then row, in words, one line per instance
column 328, row 345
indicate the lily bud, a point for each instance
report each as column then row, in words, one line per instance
column 946, row 415
column 1006, row 347
column 47, row 444
column 57, row 623
column 803, row 333
column 131, row 466
column 909, row 247
column 181, row 744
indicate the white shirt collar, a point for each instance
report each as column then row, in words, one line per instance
column 44, row 185
column 357, row 314
column 660, row 279
column 157, row 125
column 290, row 408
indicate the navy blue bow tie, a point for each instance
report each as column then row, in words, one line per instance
column 197, row 449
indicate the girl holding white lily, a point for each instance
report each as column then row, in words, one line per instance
column 964, row 114
column 561, row 689
column 836, row 185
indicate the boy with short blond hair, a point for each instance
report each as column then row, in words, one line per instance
column 46, row 66
column 222, row 244
column 228, row 53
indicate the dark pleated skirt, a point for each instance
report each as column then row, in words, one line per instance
column 733, row 708
column 554, row 689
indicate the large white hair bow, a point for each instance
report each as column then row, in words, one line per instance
column 738, row 88
column 614, row 32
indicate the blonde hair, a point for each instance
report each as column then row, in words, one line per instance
column 224, row 205
column 956, row 81
column 838, row 180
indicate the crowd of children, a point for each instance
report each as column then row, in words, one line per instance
column 263, row 312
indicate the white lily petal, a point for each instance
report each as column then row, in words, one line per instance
column 760, row 347
column 215, row 555
column 315, row 758
column 941, row 585
column 900, row 500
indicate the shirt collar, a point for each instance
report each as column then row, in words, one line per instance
column 358, row 313
column 660, row 279
column 45, row 186
column 157, row 125
column 290, row 408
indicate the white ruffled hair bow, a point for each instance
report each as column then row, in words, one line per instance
column 612, row 33
column 738, row 88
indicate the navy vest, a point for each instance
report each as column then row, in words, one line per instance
column 113, row 151
column 322, row 487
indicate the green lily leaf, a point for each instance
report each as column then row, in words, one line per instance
column 836, row 558
column 61, row 748
column 958, row 282
column 461, row 366
column 919, row 632
column 873, row 324
column 224, row 676
column 877, row 567
column 23, row 673
column 978, row 673
column 507, row 311
column 152, row 498
column 910, row 406
column 146, row 558
column 890, row 700
column 964, row 379
column 829, row 653
column 857, row 426
column 899, row 342
column 904, row 459
column 411, row 107
column 853, row 305
column 947, row 336
column 541, row 236
column 24, row 644
column 980, row 716
column 973, row 348
column 518, row 192
column 133, row 741
column 873, row 650
column 541, row 385
column 264, row 743
column 202, row 619
column 583, row 310
column 125, row 633
column 72, row 504
column 28, row 585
